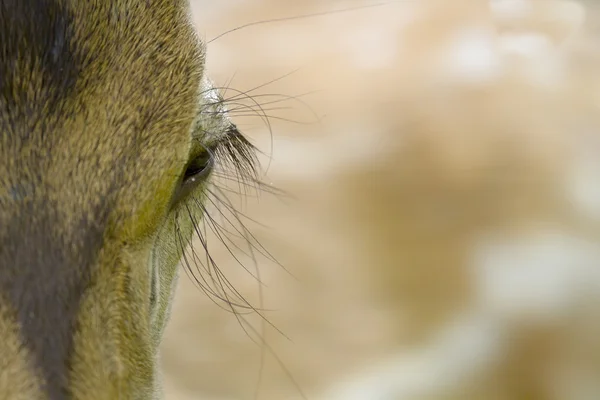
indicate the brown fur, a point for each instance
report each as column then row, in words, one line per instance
column 95, row 131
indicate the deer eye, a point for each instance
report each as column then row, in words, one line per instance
column 196, row 172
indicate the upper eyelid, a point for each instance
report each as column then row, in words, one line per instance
column 212, row 122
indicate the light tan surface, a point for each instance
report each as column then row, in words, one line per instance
column 453, row 138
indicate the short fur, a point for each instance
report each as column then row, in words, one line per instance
column 98, row 99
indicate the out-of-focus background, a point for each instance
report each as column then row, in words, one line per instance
column 439, row 235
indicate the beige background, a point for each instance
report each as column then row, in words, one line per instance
column 438, row 237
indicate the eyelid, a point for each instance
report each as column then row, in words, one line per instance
column 200, row 147
column 187, row 184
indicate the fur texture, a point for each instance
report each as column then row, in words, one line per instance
column 97, row 104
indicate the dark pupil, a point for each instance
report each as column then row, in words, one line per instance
column 198, row 165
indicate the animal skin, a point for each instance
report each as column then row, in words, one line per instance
column 109, row 132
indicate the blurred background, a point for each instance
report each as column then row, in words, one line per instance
column 435, row 232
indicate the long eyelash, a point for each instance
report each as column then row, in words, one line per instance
column 257, row 108
column 239, row 153
column 236, row 164
column 218, row 288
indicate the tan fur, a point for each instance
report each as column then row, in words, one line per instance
column 16, row 381
column 144, row 83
